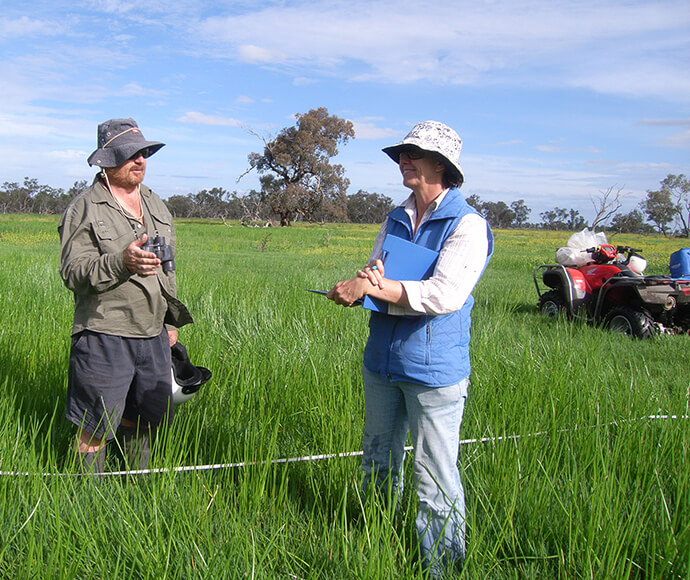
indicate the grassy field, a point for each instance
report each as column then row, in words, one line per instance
column 591, row 486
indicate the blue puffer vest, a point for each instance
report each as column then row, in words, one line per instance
column 429, row 350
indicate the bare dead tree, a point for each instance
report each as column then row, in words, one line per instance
column 607, row 204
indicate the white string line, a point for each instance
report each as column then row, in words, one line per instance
column 342, row 455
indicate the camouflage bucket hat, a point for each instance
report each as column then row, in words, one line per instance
column 118, row 140
column 436, row 138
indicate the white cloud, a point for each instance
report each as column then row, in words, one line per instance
column 366, row 129
column 665, row 122
column 202, row 119
column 136, row 90
column 303, row 81
column 619, row 47
column 11, row 28
column 113, row 6
column 69, row 155
column 511, row 142
column 680, row 140
column 257, row 54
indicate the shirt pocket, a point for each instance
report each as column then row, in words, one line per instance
column 164, row 227
column 112, row 238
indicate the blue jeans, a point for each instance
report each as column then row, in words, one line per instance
column 433, row 416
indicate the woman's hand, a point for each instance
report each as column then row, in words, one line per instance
column 373, row 272
column 347, row 292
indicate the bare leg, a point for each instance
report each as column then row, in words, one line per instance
column 91, row 452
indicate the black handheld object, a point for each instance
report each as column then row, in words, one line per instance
column 163, row 251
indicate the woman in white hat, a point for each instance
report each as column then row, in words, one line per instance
column 416, row 362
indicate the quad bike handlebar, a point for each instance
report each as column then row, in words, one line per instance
column 606, row 253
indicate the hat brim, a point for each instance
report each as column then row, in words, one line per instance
column 114, row 156
column 187, row 375
column 193, row 376
column 456, row 174
column 188, row 387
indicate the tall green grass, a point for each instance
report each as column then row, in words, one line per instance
column 592, row 488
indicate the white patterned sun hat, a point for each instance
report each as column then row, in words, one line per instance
column 437, row 138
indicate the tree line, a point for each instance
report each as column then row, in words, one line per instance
column 251, row 208
column 299, row 183
column 665, row 211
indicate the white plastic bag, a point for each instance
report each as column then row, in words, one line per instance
column 567, row 256
column 586, row 239
column 573, row 254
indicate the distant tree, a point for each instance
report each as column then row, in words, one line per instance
column 678, row 188
column 180, row 206
column 296, row 175
column 606, row 205
column 475, row 201
column 77, row 188
column 630, row 223
column 575, row 221
column 498, row 214
column 211, row 203
column 368, row 208
column 562, row 219
column 659, row 209
column 9, row 197
column 552, row 219
column 62, row 200
column 29, row 197
column 250, row 208
column 330, row 209
column 13, row 199
column 45, row 198
column 521, row 212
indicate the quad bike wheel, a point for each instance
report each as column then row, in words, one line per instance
column 551, row 304
column 631, row 321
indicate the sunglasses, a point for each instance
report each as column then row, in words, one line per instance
column 145, row 153
column 413, row 153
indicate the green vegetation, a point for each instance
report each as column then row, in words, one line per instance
column 666, row 210
column 592, row 488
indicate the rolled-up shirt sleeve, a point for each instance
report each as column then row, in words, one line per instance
column 458, row 269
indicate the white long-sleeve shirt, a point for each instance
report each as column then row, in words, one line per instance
column 459, row 266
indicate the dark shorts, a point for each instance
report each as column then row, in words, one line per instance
column 111, row 377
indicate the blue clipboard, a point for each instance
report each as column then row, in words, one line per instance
column 403, row 260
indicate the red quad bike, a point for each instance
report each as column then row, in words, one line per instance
column 608, row 291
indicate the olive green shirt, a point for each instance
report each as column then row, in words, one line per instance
column 94, row 232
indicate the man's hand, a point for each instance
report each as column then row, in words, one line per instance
column 138, row 261
column 172, row 336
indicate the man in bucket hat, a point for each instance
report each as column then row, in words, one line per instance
column 126, row 310
column 416, row 362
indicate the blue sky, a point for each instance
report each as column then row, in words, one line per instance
column 555, row 100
